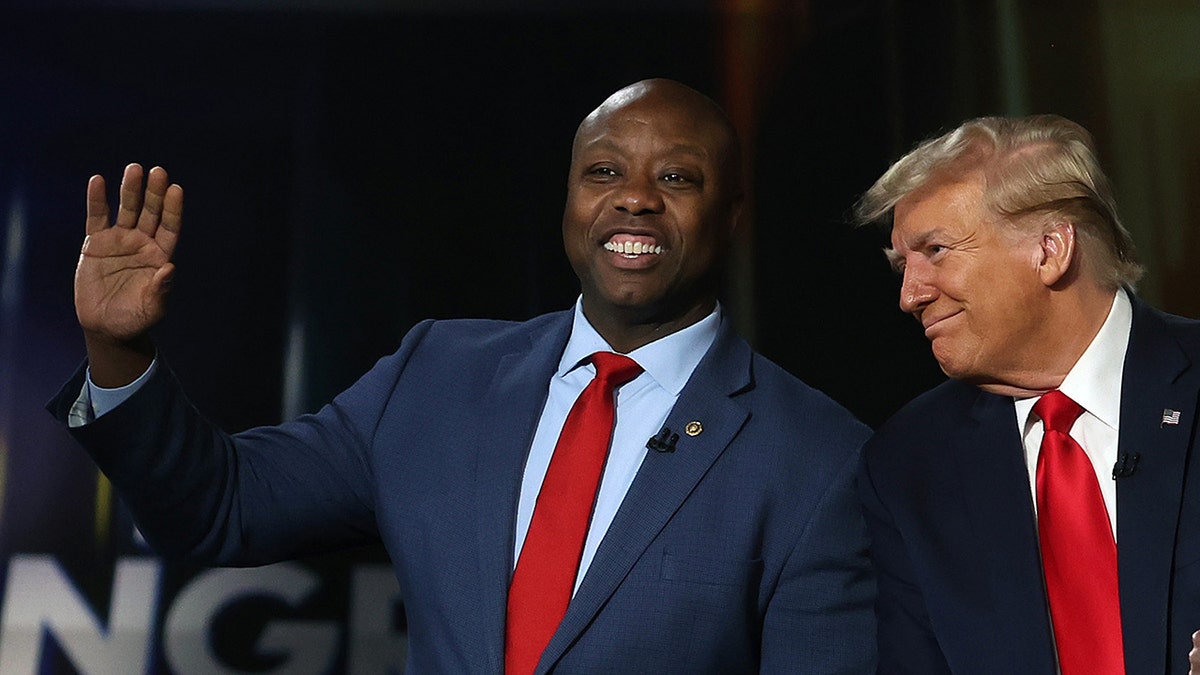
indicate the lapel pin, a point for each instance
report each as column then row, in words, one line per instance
column 693, row 428
column 1169, row 417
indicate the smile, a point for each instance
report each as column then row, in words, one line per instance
column 631, row 247
column 930, row 325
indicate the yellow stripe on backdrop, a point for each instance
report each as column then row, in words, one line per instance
column 103, row 511
column 756, row 40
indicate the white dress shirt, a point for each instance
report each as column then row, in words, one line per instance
column 1094, row 382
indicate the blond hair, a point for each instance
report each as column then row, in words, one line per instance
column 1043, row 164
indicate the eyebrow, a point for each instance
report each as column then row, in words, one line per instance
column 895, row 257
column 687, row 149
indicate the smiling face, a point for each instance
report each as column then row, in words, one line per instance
column 972, row 281
column 652, row 197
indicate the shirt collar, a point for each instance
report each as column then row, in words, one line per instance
column 1094, row 382
column 670, row 360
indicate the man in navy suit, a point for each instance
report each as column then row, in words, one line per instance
column 1009, row 538
column 725, row 536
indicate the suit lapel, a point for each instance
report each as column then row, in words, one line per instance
column 664, row 481
column 506, row 430
column 1157, row 378
column 995, row 487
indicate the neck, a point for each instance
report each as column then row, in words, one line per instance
column 1073, row 320
column 627, row 329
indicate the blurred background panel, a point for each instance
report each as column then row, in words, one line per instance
column 354, row 166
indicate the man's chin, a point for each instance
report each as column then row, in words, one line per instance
column 955, row 369
column 952, row 367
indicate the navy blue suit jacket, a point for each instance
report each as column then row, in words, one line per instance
column 954, row 540
column 744, row 549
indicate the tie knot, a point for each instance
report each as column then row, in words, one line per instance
column 614, row 370
column 1057, row 411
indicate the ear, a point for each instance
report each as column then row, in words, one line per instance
column 1057, row 252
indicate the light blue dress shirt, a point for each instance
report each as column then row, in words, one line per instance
column 642, row 406
column 94, row 401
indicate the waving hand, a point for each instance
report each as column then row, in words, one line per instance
column 124, row 271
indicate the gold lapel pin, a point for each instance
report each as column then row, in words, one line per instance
column 693, row 428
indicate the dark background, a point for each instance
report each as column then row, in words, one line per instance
column 354, row 172
column 354, row 167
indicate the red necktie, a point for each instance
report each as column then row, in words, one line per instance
column 544, row 579
column 1079, row 555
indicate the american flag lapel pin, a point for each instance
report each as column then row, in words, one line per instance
column 1169, row 417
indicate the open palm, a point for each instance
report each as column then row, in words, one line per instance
column 124, row 268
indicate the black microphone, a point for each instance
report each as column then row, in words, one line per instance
column 1126, row 465
column 663, row 441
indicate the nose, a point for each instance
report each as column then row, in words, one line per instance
column 639, row 195
column 916, row 289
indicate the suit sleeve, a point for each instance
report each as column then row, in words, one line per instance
column 906, row 640
column 256, row 497
column 820, row 618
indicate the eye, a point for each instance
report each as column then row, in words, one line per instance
column 601, row 172
column 934, row 250
column 681, row 179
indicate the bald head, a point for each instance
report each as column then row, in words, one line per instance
column 696, row 115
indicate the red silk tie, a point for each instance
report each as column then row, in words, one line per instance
column 544, row 579
column 1079, row 555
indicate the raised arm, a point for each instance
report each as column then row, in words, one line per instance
column 124, row 272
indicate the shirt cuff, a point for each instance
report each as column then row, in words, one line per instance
column 94, row 400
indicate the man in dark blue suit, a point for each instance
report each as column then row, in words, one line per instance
column 725, row 536
column 1008, row 535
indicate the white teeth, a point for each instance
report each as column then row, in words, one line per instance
column 632, row 248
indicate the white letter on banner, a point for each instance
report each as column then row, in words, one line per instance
column 310, row 645
column 40, row 597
